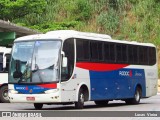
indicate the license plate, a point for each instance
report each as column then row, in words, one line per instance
column 30, row 98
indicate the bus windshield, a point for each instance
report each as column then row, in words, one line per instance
column 1, row 62
column 35, row 62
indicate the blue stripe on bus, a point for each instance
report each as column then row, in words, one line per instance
column 118, row 84
column 32, row 89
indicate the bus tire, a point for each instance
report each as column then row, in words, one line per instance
column 81, row 98
column 102, row 103
column 4, row 94
column 38, row 106
column 137, row 97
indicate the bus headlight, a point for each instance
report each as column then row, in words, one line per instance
column 51, row 91
column 13, row 91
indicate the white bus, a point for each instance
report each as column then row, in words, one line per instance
column 4, row 67
column 71, row 67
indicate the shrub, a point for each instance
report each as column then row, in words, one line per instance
column 109, row 20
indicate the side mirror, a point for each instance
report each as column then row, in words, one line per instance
column 64, row 62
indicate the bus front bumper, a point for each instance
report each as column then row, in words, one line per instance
column 34, row 98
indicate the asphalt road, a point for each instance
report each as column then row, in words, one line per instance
column 149, row 104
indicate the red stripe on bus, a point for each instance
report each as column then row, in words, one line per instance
column 48, row 85
column 100, row 66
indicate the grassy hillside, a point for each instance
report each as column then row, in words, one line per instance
column 134, row 20
column 137, row 20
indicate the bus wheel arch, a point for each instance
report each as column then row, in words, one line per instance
column 137, row 95
column 138, row 86
column 4, row 93
column 82, row 96
column 38, row 106
column 138, row 91
column 85, row 90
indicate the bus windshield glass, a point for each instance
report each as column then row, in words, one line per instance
column 1, row 62
column 35, row 62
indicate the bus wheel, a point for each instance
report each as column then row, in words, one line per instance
column 81, row 98
column 38, row 106
column 101, row 103
column 137, row 97
column 4, row 94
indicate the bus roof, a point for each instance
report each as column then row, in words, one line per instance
column 65, row 34
column 5, row 50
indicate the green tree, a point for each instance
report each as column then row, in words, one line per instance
column 12, row 9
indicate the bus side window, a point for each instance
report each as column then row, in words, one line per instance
column 143, row 55
column 7, row 62
column 1, row 62
column 94, row 51
column 121, row 50
column 109, row 52
column 82, row 49
column 68, row 48
column 152, row 56
column 135, row 49
column 1, row 67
